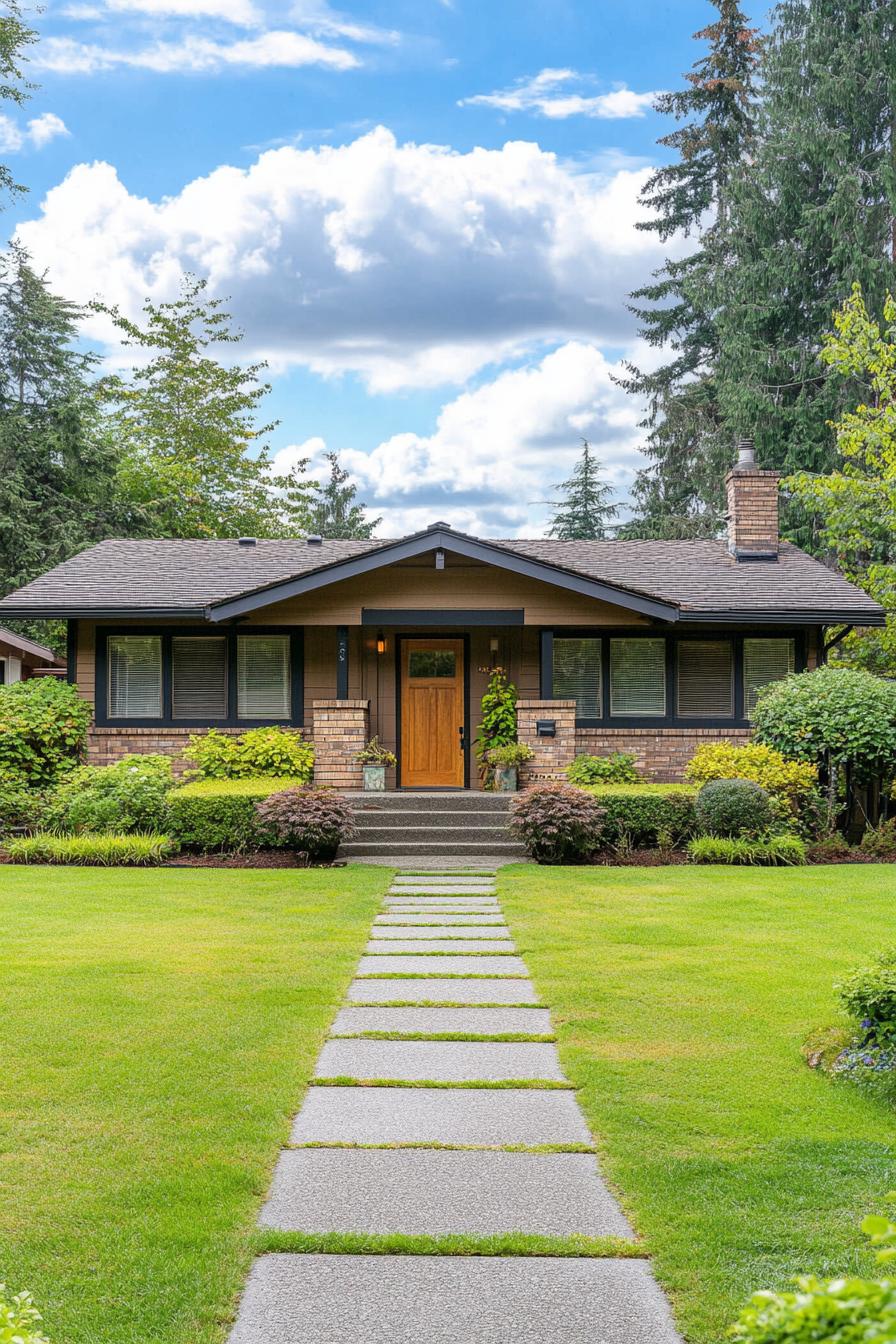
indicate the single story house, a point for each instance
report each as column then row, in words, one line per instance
column 21, row 658
column 645, row 646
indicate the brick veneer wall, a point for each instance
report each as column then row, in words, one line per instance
column 752, row 510
column 552, row 754
column 660, row 753
column 107, row 745
column 341, row 728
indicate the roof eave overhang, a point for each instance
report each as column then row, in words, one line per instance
column 79, row 613
column 804, row 616
column 447, row 540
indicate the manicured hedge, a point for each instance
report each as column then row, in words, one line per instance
column 645, row 814
column 100, row 851
column 219, row 814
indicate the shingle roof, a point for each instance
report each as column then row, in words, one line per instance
column 185, row 577
column 29, row 647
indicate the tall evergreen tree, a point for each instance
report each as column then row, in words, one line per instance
column 335, row 511
column 57, row 462
column 16, row 36
column 677, row 494
column 812, row 215
column 186, row 421
column 585, row 506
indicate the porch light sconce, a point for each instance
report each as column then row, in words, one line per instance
column 546, row 727
column 493, row 647
column 380, row 643
column 440, row 559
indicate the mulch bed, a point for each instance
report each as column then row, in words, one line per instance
column 259, row 858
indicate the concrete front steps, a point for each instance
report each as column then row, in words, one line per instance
column 407, row 826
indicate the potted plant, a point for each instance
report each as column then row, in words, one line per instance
column 376, row 760
column 505, row 762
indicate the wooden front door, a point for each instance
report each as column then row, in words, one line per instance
column 432, row 714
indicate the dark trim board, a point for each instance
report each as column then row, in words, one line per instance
column 71, row 652
column 427, row 634
column 443, row 617
column 230, row 633
column 670, row 719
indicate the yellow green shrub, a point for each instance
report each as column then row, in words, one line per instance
column 763, row 765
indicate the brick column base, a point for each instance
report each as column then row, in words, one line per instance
column 552, row 754
column 341, row 729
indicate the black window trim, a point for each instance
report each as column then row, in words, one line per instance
column 231, row 634
column 670, row 719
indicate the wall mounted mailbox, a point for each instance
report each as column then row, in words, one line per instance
column 546, row 727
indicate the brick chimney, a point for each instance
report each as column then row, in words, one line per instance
column 752, row 507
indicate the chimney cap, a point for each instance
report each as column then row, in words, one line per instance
column 746, row 455
column 314, row 540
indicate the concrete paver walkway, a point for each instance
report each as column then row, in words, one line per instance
column 371, row 1156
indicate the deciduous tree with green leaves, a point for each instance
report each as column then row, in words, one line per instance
column 584, row 508
column 194, row 462
column 854, row 506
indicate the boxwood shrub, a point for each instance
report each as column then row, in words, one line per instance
column 219, row 814
column 645, row 815
column 733, row 807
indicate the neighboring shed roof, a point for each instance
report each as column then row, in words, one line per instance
column 28, row 647
column 689, row 580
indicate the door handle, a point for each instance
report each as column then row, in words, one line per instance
column 463, row 742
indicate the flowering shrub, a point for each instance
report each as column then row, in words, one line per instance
column 19, row 1319
column 841, row 1311
column 762, row 764
column 619, row 768
column 43, row 730
column 257, row 753
column 869, row 996
column 315, row 821
column 129, row 796
column 733, row 807
column 557, row 824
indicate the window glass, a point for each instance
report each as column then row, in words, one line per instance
column 638, row 677
column 198, row 677
column 765, row 661
column 431, row 663
column 134, row 668
column 263, row 677
column 577, row 675
column 705, row 678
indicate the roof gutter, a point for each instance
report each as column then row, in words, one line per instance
column 57, row 613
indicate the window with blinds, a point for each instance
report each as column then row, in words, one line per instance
column 765, row 661
column 263, row 677
column 198, row 677
column 705, row 679
column 638, row 678
column 134, row 671
column 577, row 675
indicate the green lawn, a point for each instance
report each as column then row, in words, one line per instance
column 681, row 999
column 156, row 1030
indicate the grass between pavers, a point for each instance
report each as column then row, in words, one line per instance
column 436, row 975
column 532, row 1084
column 537, row 1148
column 544, row 1038
column 681, row 998
column 498, row 951
column 439, row 1003
column 158, row 1028
column 397, row 1243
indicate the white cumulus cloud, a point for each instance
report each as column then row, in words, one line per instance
column 549, row 94
column 496, row 452
column 36, row 133
column 411, row 265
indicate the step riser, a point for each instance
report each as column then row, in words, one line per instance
column 484, row 836
column 444, row 802
column 442, row 817
column 407, row 849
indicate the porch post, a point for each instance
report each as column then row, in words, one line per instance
column 552, row 753
column 341, row 729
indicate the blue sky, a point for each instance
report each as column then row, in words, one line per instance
column 423, row 215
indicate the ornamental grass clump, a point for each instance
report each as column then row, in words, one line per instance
column 734, row 808
column 778, row 851
column 92, row 851
column 313, row 821
column 557, row 824
column 848, row 1310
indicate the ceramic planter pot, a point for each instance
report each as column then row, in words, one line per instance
column 374, row 778
column 505, row 778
